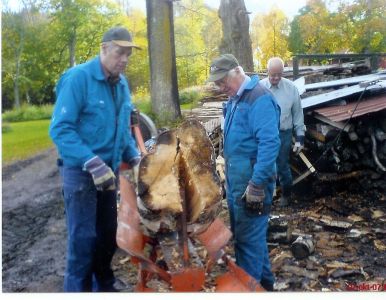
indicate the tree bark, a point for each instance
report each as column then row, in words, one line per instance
column 16, row 83
column 71, row 48
column 235, row 27
column 164, row 88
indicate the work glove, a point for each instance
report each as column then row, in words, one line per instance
column 134, row 166
column 254, row 198
column 299, row 144
column 102, row 175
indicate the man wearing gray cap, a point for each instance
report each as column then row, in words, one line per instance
column 251, row 145
column 90, row 127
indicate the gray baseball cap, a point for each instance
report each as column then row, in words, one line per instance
column 120, row 36
column 221, row 66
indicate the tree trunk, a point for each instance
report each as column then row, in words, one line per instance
column 164, row 88
column 16, row 83
column 235, row 28
column 16, row 86
column 71, row 48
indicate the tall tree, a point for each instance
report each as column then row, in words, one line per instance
column 164, row 89
column 368, row 17
column 190, row 48
column 14, row 33
column 235, row 28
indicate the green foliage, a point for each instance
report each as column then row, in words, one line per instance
column 5, row 127
column 25, row 139
column 28, row 113
column 186, row 97
column 142, row 102
column 41, row 40
column 197, row 36
column 295, row 40
column 192, row 95
column 269, row 35
column 357, row 26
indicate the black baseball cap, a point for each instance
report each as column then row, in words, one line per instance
column 221, row 66
column 120, row 36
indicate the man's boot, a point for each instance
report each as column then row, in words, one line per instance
column 267, row 285
column 285, row 198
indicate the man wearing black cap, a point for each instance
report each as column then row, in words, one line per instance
column 251, row 145
column 90, row 127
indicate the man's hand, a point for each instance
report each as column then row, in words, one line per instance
column 299, row 144
column 134, row 168
column 254, row 198
column 297, row 148
column 102, row 175
column 134, row 161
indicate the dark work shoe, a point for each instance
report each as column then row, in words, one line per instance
column 267, row 285
column 283, row 201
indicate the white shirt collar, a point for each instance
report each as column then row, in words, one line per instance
column 242, row 87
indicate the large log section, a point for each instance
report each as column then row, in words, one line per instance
column 182, row 166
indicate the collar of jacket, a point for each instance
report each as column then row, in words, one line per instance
column 97, row 70
column 254, row 81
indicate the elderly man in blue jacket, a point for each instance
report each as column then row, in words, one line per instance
column 251, row 145
column 90, row 127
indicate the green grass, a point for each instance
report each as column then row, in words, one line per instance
column 25, row 139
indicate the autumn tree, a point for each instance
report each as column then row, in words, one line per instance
column 369, row 21
column 269, row 34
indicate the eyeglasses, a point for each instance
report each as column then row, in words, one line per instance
column 222, row 82
column 273, row 75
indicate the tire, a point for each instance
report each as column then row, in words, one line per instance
column 147, row 127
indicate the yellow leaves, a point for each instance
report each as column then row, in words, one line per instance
column 269, row 35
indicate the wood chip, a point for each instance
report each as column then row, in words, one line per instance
column 377, row 214
column 300, row 272
column 355, row 218
column 379, row 245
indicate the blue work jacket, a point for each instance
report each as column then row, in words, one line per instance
column 251, row 135
column 90, row 119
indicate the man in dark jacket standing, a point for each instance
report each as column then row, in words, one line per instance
column 90, row 127
column 251, row 145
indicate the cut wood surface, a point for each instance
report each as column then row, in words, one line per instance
column 181, row 168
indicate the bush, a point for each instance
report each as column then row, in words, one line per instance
column 189, row 96
column 142, row 102
column 5, row 127
column 28, row 113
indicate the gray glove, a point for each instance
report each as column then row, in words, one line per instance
column 134, row 167
column 254, row 198
column 102, row 175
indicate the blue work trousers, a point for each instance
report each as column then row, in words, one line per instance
column 282, row 162
column 91, row 218
column 250, row 232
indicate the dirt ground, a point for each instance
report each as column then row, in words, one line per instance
column 34, row 232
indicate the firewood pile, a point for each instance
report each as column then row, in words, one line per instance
column 363, row 147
